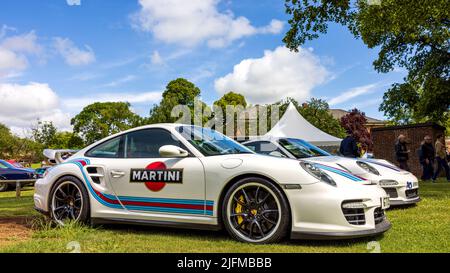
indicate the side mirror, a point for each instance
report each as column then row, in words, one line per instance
column 172, row 151
column 277, row 154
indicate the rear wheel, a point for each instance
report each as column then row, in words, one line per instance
column 256, row 211
column 69, row 201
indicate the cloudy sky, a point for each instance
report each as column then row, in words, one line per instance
column 57, row 56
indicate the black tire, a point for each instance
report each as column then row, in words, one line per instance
column 4, row 187
column 76, row 210
column 247, row 212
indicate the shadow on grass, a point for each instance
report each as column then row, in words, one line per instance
column 222, row 235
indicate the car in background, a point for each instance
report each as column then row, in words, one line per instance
column 188, row 176
column 11, row 172
column 402, row 186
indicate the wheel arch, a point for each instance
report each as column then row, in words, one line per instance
column 233, row 180
column 57, row 178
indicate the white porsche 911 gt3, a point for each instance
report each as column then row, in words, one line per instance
column 192, row 177
column 402, row 186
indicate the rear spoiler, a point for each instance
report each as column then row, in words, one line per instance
column 58, row 156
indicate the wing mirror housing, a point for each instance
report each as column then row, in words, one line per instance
column 172, row 151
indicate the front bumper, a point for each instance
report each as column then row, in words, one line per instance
column 318, row 211
column 401, row 196
column 40, row 197
column 379, row 229
column 405, row 202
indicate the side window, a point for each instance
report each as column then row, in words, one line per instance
column 254, row 146
column 268, row 148
column 109, row 149
column 2, row 166
column 146, row 143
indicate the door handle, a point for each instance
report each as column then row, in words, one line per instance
column 117, row 174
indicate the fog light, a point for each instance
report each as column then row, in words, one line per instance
column 385, row 183
column 354, row 205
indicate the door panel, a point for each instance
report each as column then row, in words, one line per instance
column 144, row 182
column 164, row 193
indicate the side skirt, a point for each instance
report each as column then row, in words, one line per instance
column 100, row 221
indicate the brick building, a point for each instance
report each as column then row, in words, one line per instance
column 384, row 139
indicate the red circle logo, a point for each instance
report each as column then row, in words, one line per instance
column 155, row 186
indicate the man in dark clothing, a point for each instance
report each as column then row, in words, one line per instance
column 349, row 147
column 441, row 158
column 426, row 157
column 402, row 152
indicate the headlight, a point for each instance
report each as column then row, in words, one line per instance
column 317, row 173
column 367, row 167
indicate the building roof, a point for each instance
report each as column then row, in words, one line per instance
column 339, row 113
column 407, row 126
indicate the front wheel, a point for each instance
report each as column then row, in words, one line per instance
column 69, row 201
column 256, row 211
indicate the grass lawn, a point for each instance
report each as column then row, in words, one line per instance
column 421, row 228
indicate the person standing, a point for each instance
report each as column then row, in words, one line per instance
column 441, row 158
column 402, row 152
column 349, row 147
column 426, row 157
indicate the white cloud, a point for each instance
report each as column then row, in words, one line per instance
column 73, row 55
column 353, row 93
column 120, row 81
column 22, row 105
column 73, row 2
column 14, row 52
column 156, row 58
column 278, row 74
column 195, row 21
column 26, row 43
column 11, row 62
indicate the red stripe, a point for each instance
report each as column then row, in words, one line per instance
column 153, row 204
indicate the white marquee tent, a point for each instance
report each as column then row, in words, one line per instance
column 293, row 125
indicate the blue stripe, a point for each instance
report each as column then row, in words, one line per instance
column 342, row 173
column 384, row 165
column 159, row 209
column 129, row 198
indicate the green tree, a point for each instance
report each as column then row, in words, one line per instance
column 412, row 35
column 67, row 140
column 231, row 98
column 102, row 119
column 178, row 92
column 316, row 112
column 6, row 141
column 45, row 133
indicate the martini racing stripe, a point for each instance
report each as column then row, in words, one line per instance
column 146, row 204
column 340, row 172
column 384, row 165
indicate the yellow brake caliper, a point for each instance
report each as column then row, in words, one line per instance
column 238, row 209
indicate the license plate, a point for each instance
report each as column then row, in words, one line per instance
column 385, row 203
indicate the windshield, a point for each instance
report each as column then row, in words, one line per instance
column 301, row 149
column 210, row 142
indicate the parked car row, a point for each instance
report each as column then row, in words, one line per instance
column 401, row 186
column 13, row 172
column 193, row 177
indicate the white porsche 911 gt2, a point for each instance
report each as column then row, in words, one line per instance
column 187, row 176
column 402, row 186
